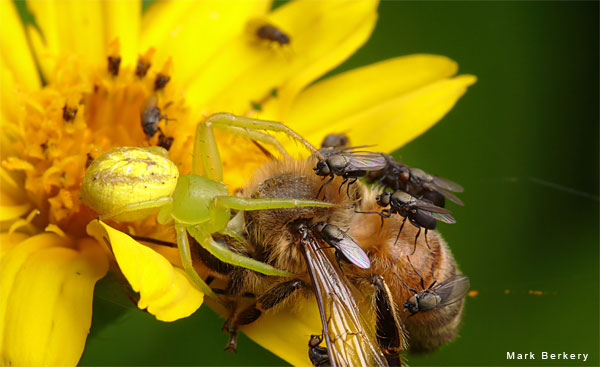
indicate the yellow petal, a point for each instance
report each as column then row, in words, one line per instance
column 164, row 291
column 47, row 289
column 123, row 19
column 406, row 95
column 190, row 32
column 286, row 332
column 68, row 26
column 11, row 191
column 246, row 69
column 9, row 241
column 14, row 48
column 10, row 212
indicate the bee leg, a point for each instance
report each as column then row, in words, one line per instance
column 388, row 329
column 209, row 279
column 268, row 300
column 400, row 231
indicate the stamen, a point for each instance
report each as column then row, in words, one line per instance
column 69, row 113
column 144, row 63
column 86, row 112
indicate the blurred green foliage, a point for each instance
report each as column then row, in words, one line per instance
column 523, row 142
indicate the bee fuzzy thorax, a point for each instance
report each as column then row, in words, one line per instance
column 292, row 179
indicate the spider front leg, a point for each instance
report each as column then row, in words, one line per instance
column 206, row 159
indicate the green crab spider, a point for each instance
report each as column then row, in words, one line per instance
column 131, row 183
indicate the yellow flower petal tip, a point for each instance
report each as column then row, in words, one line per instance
column 47, row 288
column 164, row 290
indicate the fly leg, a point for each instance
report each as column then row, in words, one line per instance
column 265, row 302
column 323, row 185
column 400, row 231
column 416, row 238
column 352, row 180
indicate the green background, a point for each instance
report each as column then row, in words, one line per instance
column 523, row 142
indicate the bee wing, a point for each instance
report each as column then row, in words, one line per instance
column 446, row 184
column 353, row 252
column 350, row 339
column 452, row 289
column 450, row 196
column 365, row 161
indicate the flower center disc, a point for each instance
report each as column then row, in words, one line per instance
column 83, row 112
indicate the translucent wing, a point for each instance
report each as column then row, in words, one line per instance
column 365, row 161
column 446, row 218
column 450, row 196
column 452, row 289
column 446, row 184
column 353, row 252
column 350, row 339
column 423, row 205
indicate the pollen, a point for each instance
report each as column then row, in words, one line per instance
column 84, row 111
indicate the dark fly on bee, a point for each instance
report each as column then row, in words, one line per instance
column 415, row 181
column 421, row 214
column 345, row 247
column 437, row 295
column 348, row 163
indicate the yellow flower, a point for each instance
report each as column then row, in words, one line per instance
column 98, row 63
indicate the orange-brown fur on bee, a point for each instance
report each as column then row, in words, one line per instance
column 270, row 241
column 426, row 330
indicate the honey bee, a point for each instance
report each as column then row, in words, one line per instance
column 281, row 245
column 357, row 298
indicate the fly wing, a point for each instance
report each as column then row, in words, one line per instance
column 446, row 218
column 365, row 161
column 353, row 252
column 452, row 289
column 450, row 196
column 423, row 205
column 350, row 339
column 446, row 184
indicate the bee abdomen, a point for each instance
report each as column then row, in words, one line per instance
column 429, row 331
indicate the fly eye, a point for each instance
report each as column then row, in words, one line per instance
column 404, row 176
